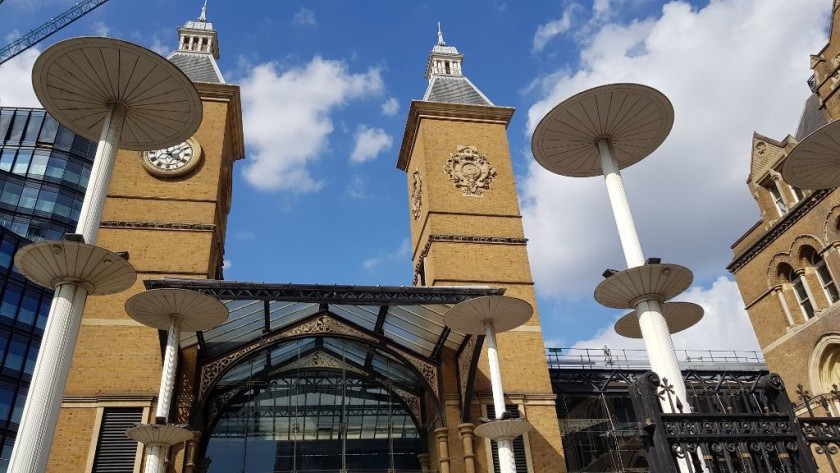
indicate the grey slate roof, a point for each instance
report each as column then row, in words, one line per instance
column 454, row 89
column 812, row 118
column 199, row 67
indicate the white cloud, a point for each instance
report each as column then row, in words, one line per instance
column 390, row 107
column 357, row 188
column 545, row 33
column 404, row 251
column 287, row 118
column 725, row 325
column 226, row 264
column 305, row 17
column 100, row 29
column 16, row 80
column 369, row 143
column 733, row 67
column 160, row 47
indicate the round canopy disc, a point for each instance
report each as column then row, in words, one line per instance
column 814, row 163
column 504, row 312
column 503, row 429
column 156, row 308
column 154, row 435
column 635, row 119
column 624, row 289
column 52, row 263
column 678, row 315
column 77, row 79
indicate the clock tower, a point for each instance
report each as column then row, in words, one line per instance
column 168, row 209
column 466, row 230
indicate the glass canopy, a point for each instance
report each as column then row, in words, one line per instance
column 411, row 317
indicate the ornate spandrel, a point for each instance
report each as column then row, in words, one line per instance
column 469, row 171
column 428, row 371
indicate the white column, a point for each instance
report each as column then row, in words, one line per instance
column 100, row 173
column 507, row 462
column 621, row 208
column 657, row 337
column 40, row 414
column 495, row 371
column 780, row 293
column 660, row 350
column 156, row 456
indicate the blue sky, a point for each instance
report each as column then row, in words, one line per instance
column 326, row 86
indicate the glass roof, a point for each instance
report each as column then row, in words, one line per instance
column 409, row 317
column 281, row 358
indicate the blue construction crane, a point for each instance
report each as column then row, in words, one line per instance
column 44, row 31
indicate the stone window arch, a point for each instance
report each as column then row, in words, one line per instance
column 824, row 364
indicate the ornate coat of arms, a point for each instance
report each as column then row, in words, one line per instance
column 469, row 171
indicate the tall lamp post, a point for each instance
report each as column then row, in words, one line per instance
column 125, row 96
column 598, row 132
column 487, row 316
column 174, row 310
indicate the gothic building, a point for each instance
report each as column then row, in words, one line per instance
column 787, row 264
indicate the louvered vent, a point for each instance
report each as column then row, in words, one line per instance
column 115, row 452
column 518, row 443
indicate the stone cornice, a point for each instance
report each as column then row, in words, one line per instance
column 230, row 93
column 200, row 227
column 781, row 226
column 463, row 239
column 450, row 111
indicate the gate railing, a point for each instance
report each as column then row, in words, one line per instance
column 766, row 438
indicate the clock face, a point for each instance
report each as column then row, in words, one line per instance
column 173, row 161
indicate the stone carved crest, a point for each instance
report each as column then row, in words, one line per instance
column 470, row 171
column 417, row 195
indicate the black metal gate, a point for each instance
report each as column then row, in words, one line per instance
column 752, row 430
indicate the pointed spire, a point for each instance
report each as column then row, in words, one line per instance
column 203, row 17
column 447, row 82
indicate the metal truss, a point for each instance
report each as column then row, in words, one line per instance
column 327, row 294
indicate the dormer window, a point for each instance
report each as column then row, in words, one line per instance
column 778, row 200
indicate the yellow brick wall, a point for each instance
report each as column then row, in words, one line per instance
column 447, row 211
column 115, row 357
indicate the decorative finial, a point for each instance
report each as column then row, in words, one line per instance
column 203, row 17
column 440, row 36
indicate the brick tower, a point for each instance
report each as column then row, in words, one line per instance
column 168, row 209
column 466, row 229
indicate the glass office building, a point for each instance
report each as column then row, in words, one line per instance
column 44, row 170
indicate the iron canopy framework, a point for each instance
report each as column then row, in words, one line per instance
column 396, row 336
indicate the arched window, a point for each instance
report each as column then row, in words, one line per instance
column 824, row 276
column 800, row 289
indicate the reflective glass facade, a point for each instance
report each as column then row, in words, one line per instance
column 44, row 170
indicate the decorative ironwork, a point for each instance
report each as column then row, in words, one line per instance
column 764, row 436
column 326, row 294
column 321, row 360
column 321, row 325
column 186, row 397
column 212, row 370
column 428, row 371
column 412, row 401
column 469, row 171
column 158, row 225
